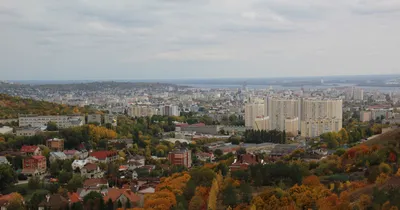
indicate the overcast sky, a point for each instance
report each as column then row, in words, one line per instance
column 155, row 39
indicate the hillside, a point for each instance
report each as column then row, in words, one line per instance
column 11, row 106
column 392, row 136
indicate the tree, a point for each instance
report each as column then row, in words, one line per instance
column 196, row 203
column 218, row 153
column 241, row 151
column 52, row 126
column 77, row 206
column 7, row 176
column 229, row 196
column 75, row 183
column 202, row 176
column 119, row 204
column 343, row 136
column 16, row 202
column 34, row 183
column 245, row 192
column 110, row 204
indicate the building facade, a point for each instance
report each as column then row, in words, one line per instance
column 34, row 165
column 261, row 123
column 312, row 109
column 55, row 144
column 62, row 121
column 292, row 126
column 181, row 157
column 27, row 131
column 94, row 118
column 279, row 110
column 313, row 128
column 142, row 111
column 251, row 112
column 169, row 110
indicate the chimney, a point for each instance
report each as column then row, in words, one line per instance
column 48, row 198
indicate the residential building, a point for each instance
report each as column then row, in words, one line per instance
column 6, row 130
column 169, row 110
column 135, row 162
column 54, row 201
column 280, row 109
column 292, row 126
column 122, row 196
column 358, row 94
column 34, row 165
column 96, row 183
column 72, row 154
column 30, row 150
column 261, row 123
column 181, row 157
column 312, row 109
column 62, row 121
column 110, row 119
column 313, row 128
column 3, row 160
column 253, row 111
column 55, row 144
column 27, row 131
column 91, row 170
column 105, row 156
column 365, row 116
column 94, row 118
column 204, row 156
column 243, row 161
column 57, row 156
column 79, row 164
column 142, row 111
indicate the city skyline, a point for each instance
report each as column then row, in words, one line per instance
column 101, row 40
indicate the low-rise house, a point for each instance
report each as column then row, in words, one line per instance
column 34, row 165
column 105, row 156
column 72, row 154
column 6, row 130
column 55, row 144
column 78, row 164
column 30, row 150
column 57, row 156
column 54, row 202
column 97, row 183
column 3, row 160
column 136, row 161
column 204, row 156
column 242, row 162
column 91, row 170
column 123, row 196
column 27, row 131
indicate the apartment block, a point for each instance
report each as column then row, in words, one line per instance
column 55, row 144
column 34, row 165
column 169, row 110
column 142, row 111
column 279, row 110
column 316, row 127
column 292, row 126
column 181, row 157
column 312, row 109
column 261, row 123
column 62, row 121
column 253, row 111
column 110, row 118
column 94, row 118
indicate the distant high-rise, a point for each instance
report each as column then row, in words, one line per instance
column 142, row 111
column 169, row 110
column 251, row 112
column 261, row 123
column 279, row 110
column 321, row 109
column 316, row 127
column 358, row 94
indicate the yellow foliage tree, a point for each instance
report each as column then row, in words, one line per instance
column 382, row 178
column 364, row 202
column 160, row 200
column 16, row 202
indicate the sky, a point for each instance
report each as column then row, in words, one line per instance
column 172, row 39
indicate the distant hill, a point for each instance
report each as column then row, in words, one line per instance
column 392, row 137
column 11, row 106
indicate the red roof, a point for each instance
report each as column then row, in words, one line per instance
column 74, row 197
column 90, row 166
column 38, row 157
column 101, row 155
column 29, row 149
column 94, row 182
column 114, row 194
column 4, row 199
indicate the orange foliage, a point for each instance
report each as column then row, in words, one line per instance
column 160, row 200
column 311, row 181
column 392, row 157
column 97, row 132
column 176, row 183
column 242, row 206
column 360, row 149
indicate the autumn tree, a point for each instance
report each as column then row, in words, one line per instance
column 196, row 203
column 343, row 136
column 160, row 200
column 16, row 202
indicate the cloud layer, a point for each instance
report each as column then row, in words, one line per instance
column 125, row 39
